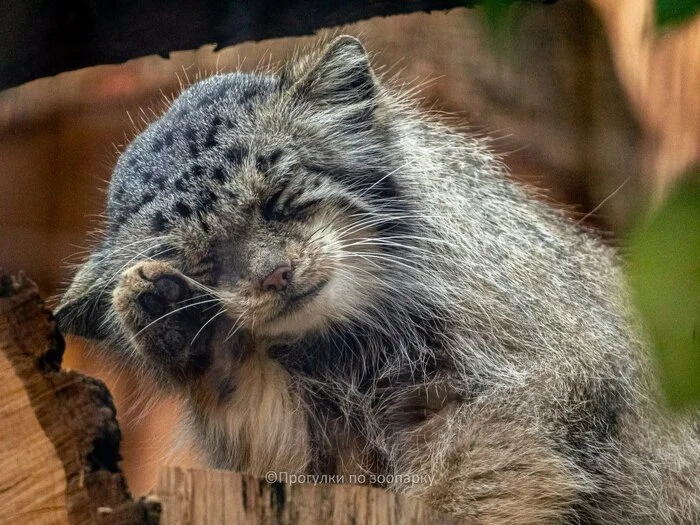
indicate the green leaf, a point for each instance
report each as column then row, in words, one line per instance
column 496, row 14
column 664, row 268
column 498, row 17
column 672, row 12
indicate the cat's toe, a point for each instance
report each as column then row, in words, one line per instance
column 172, row 288
column 174, row 341
column 155, row 305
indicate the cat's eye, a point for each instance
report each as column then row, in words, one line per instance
column 268, row 209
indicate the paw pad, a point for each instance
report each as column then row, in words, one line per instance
column 155, row 303
column 164, row 293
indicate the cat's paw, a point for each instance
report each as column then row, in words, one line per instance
column 162, row 313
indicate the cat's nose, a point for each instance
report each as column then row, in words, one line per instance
column 278, row 280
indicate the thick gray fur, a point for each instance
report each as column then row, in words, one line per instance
column 438, row 322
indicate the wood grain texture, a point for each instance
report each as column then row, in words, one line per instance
column 31, row 496
column 217, row 497
column 59, row 439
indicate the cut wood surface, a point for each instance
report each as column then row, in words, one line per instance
column 59, row 440
column 217, row 497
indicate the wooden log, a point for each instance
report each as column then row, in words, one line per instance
column 59, row 440
column 218, row 497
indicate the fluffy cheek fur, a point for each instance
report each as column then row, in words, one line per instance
column 245, row 409
column 334, row 255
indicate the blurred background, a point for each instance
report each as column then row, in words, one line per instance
column 589, row 102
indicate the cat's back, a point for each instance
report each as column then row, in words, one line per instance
column 503, row 258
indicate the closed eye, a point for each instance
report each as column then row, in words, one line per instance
column 268, row 209
column 302, row 210
column 206, row 270
column 278, row 208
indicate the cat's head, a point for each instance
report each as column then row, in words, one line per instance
column 276, row 192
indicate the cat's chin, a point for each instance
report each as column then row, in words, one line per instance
column 302, row 314
column 290, row 327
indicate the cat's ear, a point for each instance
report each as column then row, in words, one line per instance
column 84, row 308
column 340, row 75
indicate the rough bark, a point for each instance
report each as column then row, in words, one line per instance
column 59, row 452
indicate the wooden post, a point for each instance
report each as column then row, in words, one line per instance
column 218, row 497
column 59, row 440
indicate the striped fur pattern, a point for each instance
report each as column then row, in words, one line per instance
column 435, row 319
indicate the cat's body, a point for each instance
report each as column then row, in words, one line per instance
column 338, row 285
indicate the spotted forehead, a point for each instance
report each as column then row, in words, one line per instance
column 185, row 161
